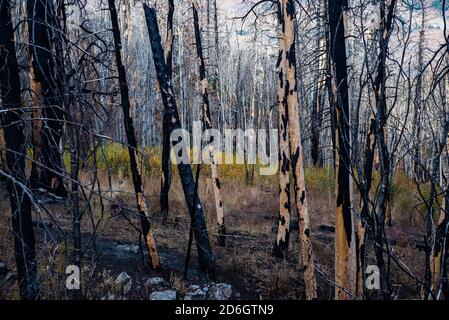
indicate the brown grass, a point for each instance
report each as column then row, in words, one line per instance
column 246, row 261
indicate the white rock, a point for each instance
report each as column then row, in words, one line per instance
column 195, row 295
column 128, row 248
column 163, row 295
column 156, row 281
column 193, row 287
column 125, row 281
column 220, row 291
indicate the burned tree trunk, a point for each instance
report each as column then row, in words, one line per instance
column 379, row 122
column 418, row 103
column 318, row 101
column 166, row 163
column 283, row 235
column 440, row 246
column 205, row 256
column 296, row 152
column 435, row 277
column 132, row 142
column 207, row 125
column 345, row 263
column 22, row 227
column 440, row 249
column 46, row 81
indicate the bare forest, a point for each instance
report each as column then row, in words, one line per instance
column 224, row 150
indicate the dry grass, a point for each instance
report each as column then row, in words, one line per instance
column 246, row 261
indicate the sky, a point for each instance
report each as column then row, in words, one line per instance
column 230, row 6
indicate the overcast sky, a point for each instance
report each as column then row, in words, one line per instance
column 230, row 6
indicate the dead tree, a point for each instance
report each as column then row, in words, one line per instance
column 283, row 233
column 207, row 125
column 205, row 256
column 345, row 263
column 378, row 124
column 19, row 194
column 440, row 247
column 418, row 101
column 47, row 97
column 436, row 235
column 132, row 142
column 439, row 251
column 376, row 136
column 166, row 163
column 296, row 149
column 318, row 101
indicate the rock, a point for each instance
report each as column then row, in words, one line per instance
column 195, row 293
column 128, row 248
column 220, row 291
column 163, row 295
column 194, row 287
column 124, row 281
column 156, row 281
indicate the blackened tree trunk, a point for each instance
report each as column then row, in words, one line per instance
column 318, row 101
column 166, row 163
column 24, row 243
column 418, row 102
column 283, row 234
column 345, row 236
column 440, row 249
column 296, row 149
column 217, row 52
column 45, row 80
column 207, row 125
column 132, row 142
column 205, row 256
column 379, row 123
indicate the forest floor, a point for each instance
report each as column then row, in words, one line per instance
column 246, row 262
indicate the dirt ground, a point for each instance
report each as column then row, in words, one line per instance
column 245, row 262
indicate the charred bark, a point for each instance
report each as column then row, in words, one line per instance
column 46, row 85
column 18, row 188
column 296, row 149
column 345, row 264
column 205, row 256
column 132, row 142
column 166, row 163
column 207, row 125
column 283, row 234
